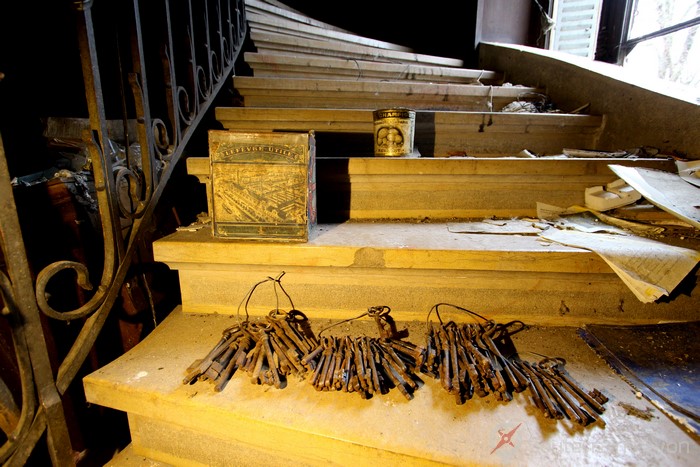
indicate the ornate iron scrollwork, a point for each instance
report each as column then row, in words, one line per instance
column 177, row 57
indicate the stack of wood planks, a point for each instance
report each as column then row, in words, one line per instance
column 310, row 75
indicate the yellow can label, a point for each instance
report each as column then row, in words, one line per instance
column 393, row 132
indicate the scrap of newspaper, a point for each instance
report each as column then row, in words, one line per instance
column 650, row 269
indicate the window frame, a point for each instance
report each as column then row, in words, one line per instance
column 627, row 44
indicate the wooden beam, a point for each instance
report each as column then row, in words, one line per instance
column 265, row 41
column 274, row 65
column 353, row 94
column 265, row 22
column 439, row 134
column 256, row 6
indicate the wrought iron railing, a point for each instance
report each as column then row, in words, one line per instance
column 172, row 57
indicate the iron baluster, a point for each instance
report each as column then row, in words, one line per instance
column 182, row 105
column 27, row 331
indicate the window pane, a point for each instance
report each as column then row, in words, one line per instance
column 652, row 15
column 672, row 58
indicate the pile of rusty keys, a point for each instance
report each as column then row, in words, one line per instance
column 366, row 365
column 464, row 357
column 285, row 345
column 268, row 352
column 558, row 396
column 467, row 361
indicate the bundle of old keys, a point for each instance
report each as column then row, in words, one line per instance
column 269, row 352
column 467, row 361
column 368, row 365
column 467, row 358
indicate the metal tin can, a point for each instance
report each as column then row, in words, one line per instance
column 393, row 132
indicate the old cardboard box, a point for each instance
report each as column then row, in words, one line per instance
column 263, row 185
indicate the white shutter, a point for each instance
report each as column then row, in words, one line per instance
column 576, row 26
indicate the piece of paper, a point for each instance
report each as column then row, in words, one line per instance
column 551, row 212
column 634, row 227
column 666, row 190
column 497, row 226
column 586, row 223
column 612, row 224
column 650, row 269
column 689, row 171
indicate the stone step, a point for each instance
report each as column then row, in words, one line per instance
column 247, row 424
column 283, row 92
column 291, row 66
column 377, row 188
column 438, row 134
column 409, row 267
column 127, row 457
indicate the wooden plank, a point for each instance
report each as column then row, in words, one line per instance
column 320, row 120
column 483, row 145
column 265, row 41
column 354, row 119
column 264, row 22
column 254, row 6
column 372, row 94
column 439, row 134
column 268, row 65
column 415, row 101
column 282, row 6
column 437, row 90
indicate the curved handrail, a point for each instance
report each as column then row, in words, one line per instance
column 25, row 371
column 203, row 74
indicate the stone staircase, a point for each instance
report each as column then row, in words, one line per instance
column 388, row 234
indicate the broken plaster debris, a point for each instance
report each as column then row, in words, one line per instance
column 499, row 226
column 666, row 190
column 571, row 152
column 646, row 414
column 203, row 219
column 611, row 196
column 689, row 171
